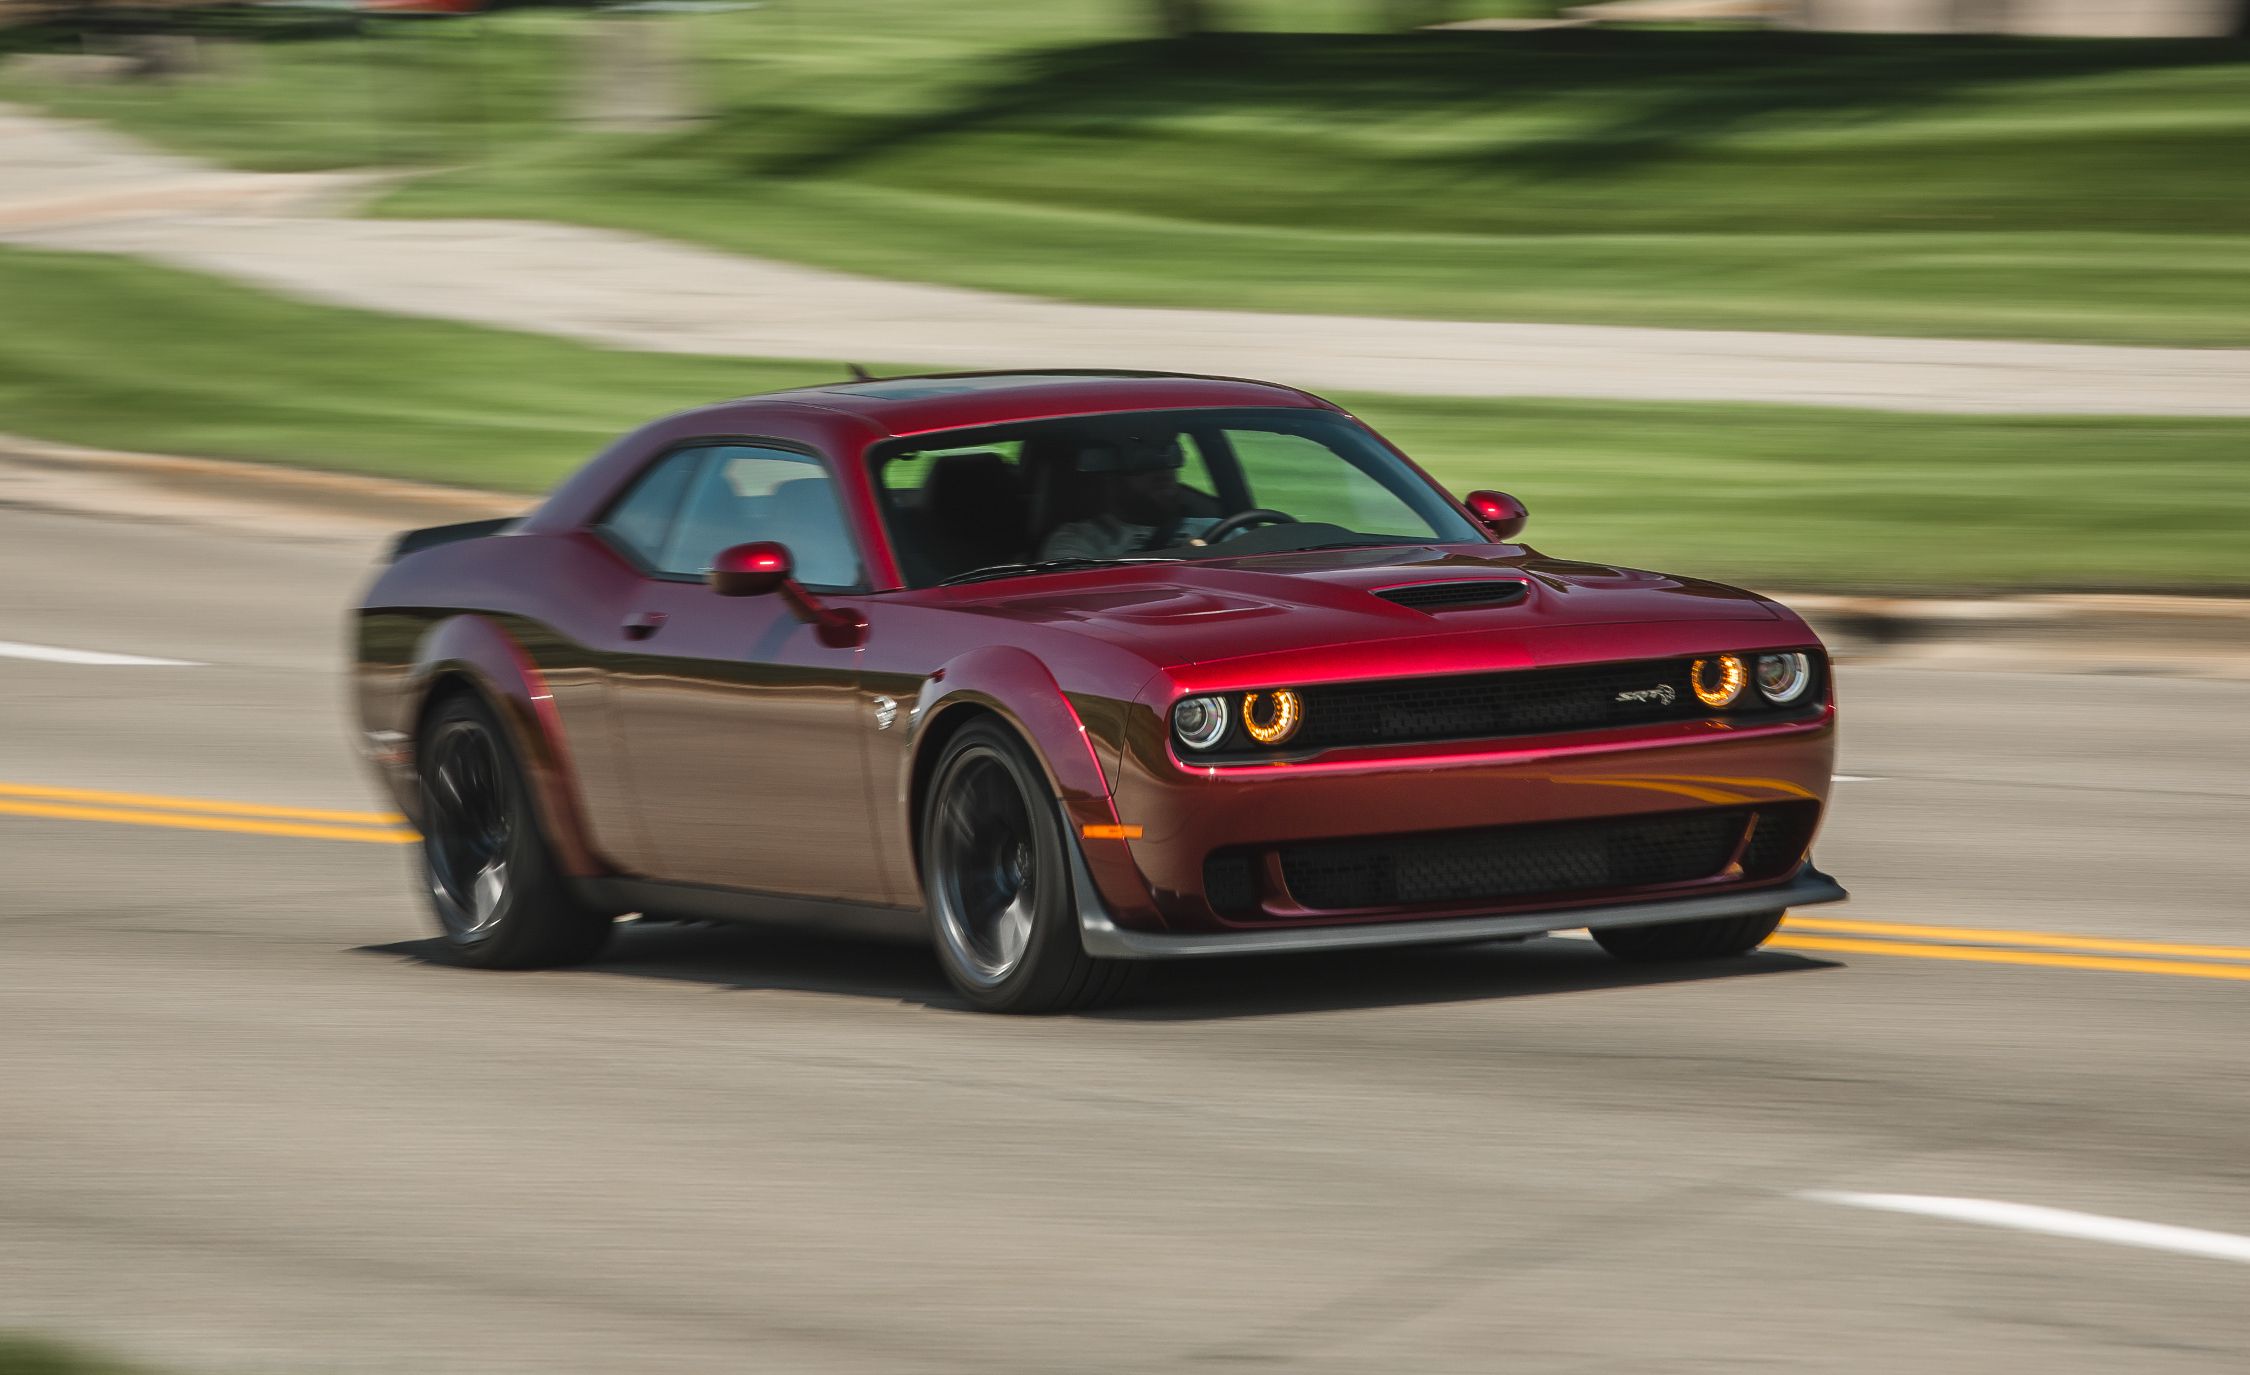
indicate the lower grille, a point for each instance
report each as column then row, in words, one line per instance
column 1782, row 836
column 1553, row 860
column 1229, row 885
column 1513, row 862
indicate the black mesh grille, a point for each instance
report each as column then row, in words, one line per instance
column 1528, row 702
column 1513, row 861
column 1780, row 839
column 1228, row 884
column 1447, row 596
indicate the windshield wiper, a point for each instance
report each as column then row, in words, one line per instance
column 1011, row 570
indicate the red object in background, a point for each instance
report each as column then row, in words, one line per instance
column 1487, row 741
column 423, row 6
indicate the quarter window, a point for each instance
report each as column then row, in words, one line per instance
column 698, row 501
column 642, row 521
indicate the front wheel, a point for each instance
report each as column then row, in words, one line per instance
column 499, row 897
column 998, row 882
column 1714, row 938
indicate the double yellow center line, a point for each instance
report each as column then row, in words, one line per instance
column 1830, row 935
column 1995, row 945
column 202, row 814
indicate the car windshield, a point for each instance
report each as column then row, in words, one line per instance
column 1053, row 495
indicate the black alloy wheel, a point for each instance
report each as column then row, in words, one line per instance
column 468, row 823
column 997, row 880
column 499, row 898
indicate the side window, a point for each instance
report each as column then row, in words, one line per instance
column 742, row 493
column 1309, row 480
column 642, row 522
column 1196, row 475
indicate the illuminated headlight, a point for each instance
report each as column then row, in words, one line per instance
column 1783, row 678
column 1200, row 722
column 1272, row 717
column 1718, row 680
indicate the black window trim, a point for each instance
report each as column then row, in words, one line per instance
column 598, row 527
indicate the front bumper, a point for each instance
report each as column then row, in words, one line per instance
column 1105, row 938
column 1157, row 882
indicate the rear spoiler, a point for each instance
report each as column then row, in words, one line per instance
column 415, row 541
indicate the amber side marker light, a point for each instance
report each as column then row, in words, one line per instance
column 1272, row 717
column 1110, row 832
column 1718, row 681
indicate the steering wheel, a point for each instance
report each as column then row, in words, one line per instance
column 1243, row 520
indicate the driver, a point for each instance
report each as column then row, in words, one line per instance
column 1141, row 500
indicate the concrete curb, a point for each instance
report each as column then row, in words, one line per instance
column 2077, row 631
column 265, row 498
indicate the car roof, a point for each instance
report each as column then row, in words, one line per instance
column 948, row 401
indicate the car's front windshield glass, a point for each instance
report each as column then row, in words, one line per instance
column 1149, row 484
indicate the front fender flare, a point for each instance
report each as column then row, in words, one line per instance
column 1015, row 685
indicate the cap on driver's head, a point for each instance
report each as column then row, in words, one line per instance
column 1132, row 453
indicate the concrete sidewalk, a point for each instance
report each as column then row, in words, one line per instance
column 73, row 186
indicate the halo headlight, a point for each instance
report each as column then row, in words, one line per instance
column 1200, row 722
column 1783, row 678
column 1272, row 717
column 1718, row 680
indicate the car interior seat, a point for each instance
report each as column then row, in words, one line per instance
column 973, row 515
column 1060, row 493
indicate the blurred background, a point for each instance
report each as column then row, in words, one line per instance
column 1892, row 168
column 1931, row 316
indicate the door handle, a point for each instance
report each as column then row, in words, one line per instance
column 642, row 624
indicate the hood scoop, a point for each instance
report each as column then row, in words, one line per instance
column 1457, row 594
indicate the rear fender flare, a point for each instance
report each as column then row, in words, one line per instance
column 475, row 650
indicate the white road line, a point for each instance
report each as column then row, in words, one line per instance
column 52, row 654
column 2060, row 1222
column 1853, row 778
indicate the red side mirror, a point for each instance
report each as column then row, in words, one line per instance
column 749, row 570
column 1500, row 513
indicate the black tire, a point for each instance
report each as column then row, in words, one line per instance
column 997, row 878
column 500, row 900
column 1713, row 939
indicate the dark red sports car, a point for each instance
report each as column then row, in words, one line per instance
column 1065, row 672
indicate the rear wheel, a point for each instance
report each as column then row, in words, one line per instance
column 998, row 882
column 500, row 900
column 1712, row 939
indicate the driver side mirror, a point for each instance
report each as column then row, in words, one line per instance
column 749, row 570
column 754, row 570
column 1498, row 512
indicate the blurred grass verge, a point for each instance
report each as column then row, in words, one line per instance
column 112, row 352
column 21, row 1354
column 1950, row 185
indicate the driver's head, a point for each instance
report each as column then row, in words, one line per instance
column 1140, row 476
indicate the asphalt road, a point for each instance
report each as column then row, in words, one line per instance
column 245, row 1125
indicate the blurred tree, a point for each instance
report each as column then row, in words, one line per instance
column 1401, row 15
column 1179, row 18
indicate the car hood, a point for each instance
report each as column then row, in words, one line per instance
column 1214, row 609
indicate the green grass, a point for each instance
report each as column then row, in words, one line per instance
column 112, row 352
column 25, row 1355
column 108, row 351
column 1862, row 183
